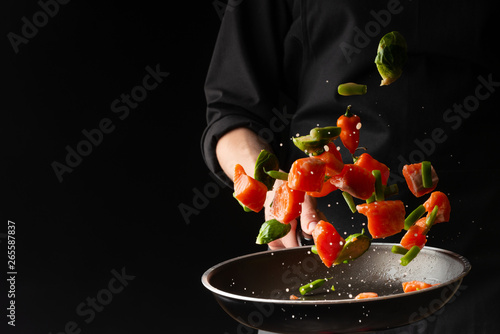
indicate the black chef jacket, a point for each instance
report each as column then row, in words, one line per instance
column 276, row 67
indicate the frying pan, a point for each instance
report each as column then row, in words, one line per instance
column 255, row 289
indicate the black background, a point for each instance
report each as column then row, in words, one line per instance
column 118, row 208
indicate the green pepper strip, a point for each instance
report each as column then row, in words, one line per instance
column 325, row 133
column 351, row 88
column 312, row 286
column 379, row 189
column 350, row 201
column 389, row 191
column 314, row 249
column 371, row 199
column 410, row 255
column 399, row 250
column 431, row 218
column 426, row 174
column 277, row 175
column 414, row 216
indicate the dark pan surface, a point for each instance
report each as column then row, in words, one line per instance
column 255, row 289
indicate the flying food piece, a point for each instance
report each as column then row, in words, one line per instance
column 266, row 161
column 314, row 143
column 272, row 230
column 355, row 245
column 391, row 56
column 351, row 88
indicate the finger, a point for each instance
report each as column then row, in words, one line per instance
column 310, row 216
column 288, row 241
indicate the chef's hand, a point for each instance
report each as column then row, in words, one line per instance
column 309, row 217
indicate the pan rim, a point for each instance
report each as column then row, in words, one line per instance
column 205, row 280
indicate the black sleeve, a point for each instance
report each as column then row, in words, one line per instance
column 242, row 85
